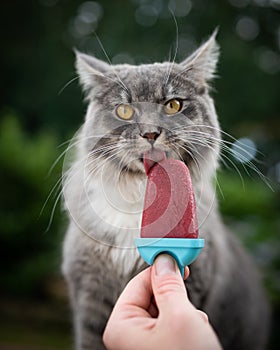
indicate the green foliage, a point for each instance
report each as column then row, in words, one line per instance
column 39, row 61
column 251, row 209
column 28, row 252
column 243, row 196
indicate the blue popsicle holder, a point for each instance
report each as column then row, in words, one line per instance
column 183, row 250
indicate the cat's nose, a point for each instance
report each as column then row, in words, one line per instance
column 151, row 136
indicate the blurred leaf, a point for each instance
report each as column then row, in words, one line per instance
column 27, row 251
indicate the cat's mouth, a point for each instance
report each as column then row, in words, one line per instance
column 153, row 157
column 149, row 158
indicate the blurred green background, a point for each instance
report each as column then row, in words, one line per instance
column 41, row 107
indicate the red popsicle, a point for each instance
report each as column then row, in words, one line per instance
column 169, row 206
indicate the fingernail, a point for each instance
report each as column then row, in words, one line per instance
column 164, row 265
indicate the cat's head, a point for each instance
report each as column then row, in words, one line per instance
column 165, row 106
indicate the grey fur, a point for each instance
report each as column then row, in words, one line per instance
column 103, row 191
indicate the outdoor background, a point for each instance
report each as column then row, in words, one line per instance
column 41, row 106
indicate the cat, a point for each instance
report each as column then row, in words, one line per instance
column 133, row 109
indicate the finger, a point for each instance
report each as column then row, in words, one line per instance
column 168, row 285
column 203, row 315
column 129, row 313
column 138, row 292
column 153, row 310
column 186, row 272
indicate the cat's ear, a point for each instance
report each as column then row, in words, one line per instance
column 203, row 62
column 90, row 69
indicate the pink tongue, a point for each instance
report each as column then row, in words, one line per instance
column 151, row 158
column 169, row 207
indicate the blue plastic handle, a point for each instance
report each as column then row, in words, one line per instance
column 183, row 250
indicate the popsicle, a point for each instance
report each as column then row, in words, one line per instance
column 169, row 220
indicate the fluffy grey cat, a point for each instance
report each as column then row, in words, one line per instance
column 133, row 109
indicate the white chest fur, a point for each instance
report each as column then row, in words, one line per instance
column 106, row 207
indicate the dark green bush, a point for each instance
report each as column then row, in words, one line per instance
column 28, row 249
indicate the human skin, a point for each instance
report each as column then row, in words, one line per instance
column 154, row 312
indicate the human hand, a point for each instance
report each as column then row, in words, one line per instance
column 154, row 312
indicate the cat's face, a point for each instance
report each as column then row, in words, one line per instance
column 165, row 106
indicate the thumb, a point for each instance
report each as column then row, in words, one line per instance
column 168, row 286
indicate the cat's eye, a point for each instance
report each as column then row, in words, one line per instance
column 125, row 112
column 173, row 106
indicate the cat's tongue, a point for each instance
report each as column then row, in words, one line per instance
column 169, row 206
column 151, row 158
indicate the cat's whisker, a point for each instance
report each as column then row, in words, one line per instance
column 229, row 142
column 57, row 197
column 183, row 71
column 120, row 81
column 224, row 144
column 104, row 158
column 169, row 69
column 72, row 143
column 234, row 140
column 97, row 163
column 247, row 163
column 68, row 142
column 67, row 84
column 215, row 174
column 123, row 161
column 202, row 142
column 64, row 180
column 55, row 189
column 189, row 152
column 53, row 211
column 62, row 154
column 189, row 138
column 220, row 156
column 94, row 169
